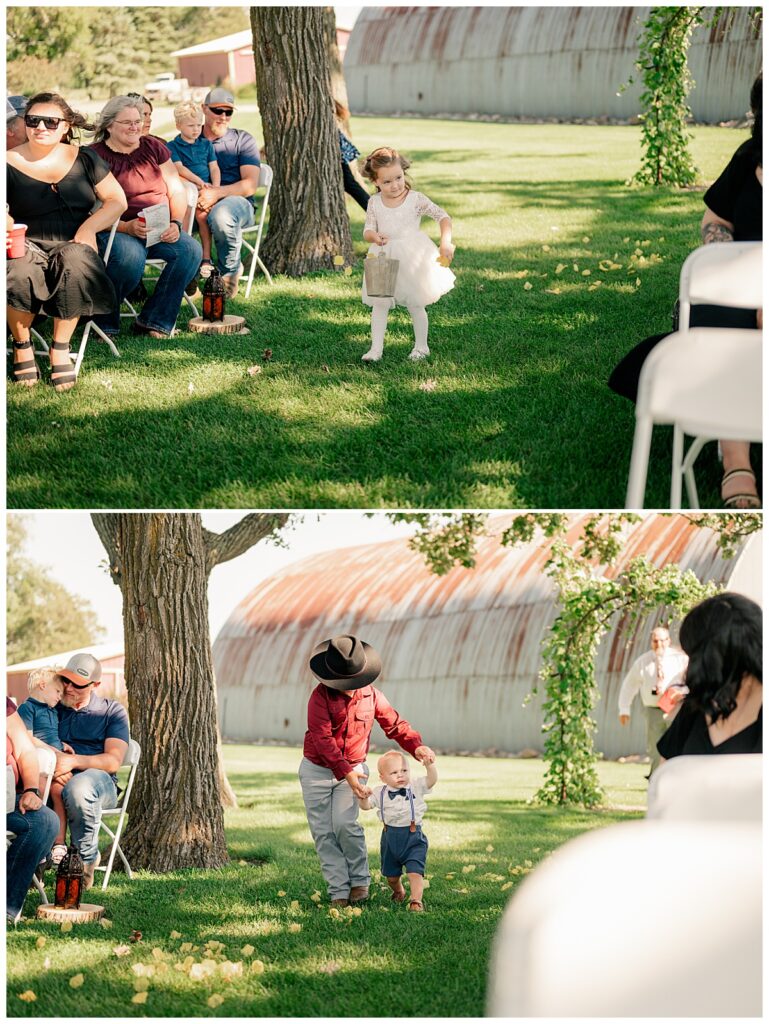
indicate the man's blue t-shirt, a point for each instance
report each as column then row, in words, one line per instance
column 233, row 150
column 86, row 730
column 195, row 156
column 42, row 721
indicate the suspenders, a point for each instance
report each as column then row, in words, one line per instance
column 413, row 826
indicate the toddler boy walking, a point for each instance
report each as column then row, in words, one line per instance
column 400, row 806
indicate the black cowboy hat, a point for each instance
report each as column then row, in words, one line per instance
column 345, row 663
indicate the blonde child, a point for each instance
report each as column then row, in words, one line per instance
column 38, row 712
column 400, row 806
column 195, row 161
column 392, row 226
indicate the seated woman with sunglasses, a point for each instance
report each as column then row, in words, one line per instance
column 143, row 166
column 52, row 188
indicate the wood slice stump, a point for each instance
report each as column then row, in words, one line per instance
column 87, row 912
column 230, row 325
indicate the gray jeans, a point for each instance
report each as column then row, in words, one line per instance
column 655, row 730
column 332, row 814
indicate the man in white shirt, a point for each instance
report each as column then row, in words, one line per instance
column 650, row 676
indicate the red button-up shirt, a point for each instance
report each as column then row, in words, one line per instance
column 339, row 727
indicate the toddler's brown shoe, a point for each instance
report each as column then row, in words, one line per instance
column 340, row 903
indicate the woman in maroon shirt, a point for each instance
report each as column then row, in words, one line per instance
column 340, row 715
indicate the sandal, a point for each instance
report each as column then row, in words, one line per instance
column 62, row 377
column 417, row 906
column 741, row 500
column 25, row 372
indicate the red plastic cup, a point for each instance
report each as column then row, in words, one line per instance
column 15, row 241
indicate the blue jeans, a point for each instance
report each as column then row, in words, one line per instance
column 227, row 219
column 125, row 270
column 84, row 796
column 35, row 832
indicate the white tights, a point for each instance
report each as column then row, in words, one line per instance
column 379, row 312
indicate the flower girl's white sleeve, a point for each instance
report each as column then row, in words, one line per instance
column 370, row 224
column 427, row 208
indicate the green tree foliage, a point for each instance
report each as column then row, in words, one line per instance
column 46, row 47
column 42, row 615
column 591, row 596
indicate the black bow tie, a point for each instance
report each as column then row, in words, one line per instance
column 392, row 793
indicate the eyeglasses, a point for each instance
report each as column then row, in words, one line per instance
column 227, row 111
column 76, row 686
column 33, row 120
column 129, row 124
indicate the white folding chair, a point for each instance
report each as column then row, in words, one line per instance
column 265, row 182
column 42, row 344
column 46, row 760
column 693, row 788
column 643, row 919
column 723, row 274
column 131, row 759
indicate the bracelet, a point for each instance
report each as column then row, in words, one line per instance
column 31, row 789
column 178, row 223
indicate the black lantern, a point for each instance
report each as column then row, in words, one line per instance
column 69, row 880
column 213, row 297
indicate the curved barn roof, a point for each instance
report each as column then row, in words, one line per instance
column 460, row 651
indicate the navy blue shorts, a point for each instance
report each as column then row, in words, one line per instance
column 401, row 848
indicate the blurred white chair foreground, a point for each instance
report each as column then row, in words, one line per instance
column 651, row 918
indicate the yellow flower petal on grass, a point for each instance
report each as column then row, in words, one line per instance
column 76, row 981
column 105, row 923
column 586, row 273
column 348, row 271
column 586, row 239
column 40, row 942
column 294, row 905
column 560, row 268
column 520, row 274
column 338, row 261
column 294, row 927
column 545, row 248
column 489, row 848
column 468, row 868
column 214, row 1001
column 507, row 885
column 176, row 935
column 247, row 950
column 141, row 984
column 140, row 997
column 281, row 892
column 28, row 996
column 553, row 291
column 449, row 876
column 121, row 950
column 528, row 286
column 257, row 967
column 66, row 926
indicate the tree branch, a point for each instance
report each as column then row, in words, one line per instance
column 222, row 547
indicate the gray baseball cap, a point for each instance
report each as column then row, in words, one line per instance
column 15, row 107
column 81, row 669
column 218, row 96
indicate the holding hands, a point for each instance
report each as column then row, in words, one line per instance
column 425, row 755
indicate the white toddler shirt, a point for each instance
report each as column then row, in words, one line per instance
column 397, row 810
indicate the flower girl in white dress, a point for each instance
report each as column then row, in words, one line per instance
column 392, row 222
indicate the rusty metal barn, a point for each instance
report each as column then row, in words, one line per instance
column 460, row 652
column 563, row 62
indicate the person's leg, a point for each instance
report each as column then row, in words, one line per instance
column 398, row 892
column 738, row 487
column 125, row 268
column 84, row 796
column 353, row 187
column 62, row 370
column 35, row 832
column 58, row 807
column 317, row 793
column 201, row 219
column 227, row 219
column 350, row 836
column 182, row 260
column 25, row 369
column 416, row 886
column 655, row 730
column 379, row 312
column 419, row 320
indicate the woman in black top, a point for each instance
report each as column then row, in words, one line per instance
column 733, row 213
column 52, row 188
column 723, row 712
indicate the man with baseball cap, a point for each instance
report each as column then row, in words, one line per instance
column 97, row 730
column 15, row 130
column 333, row 773
column 230, row 204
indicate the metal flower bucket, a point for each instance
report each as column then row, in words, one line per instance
column 381, row 273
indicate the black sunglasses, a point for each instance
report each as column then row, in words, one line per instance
column 227, row 111
column 76, row 686
column 32, row 121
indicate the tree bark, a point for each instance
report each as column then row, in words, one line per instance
column 338, row 84
column 308, row 218
column 161, row 562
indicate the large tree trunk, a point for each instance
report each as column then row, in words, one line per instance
column 176, row 818
column 308, row 219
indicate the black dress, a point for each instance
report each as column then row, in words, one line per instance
column 688, row 734
column 736, row 196
column 57, row 276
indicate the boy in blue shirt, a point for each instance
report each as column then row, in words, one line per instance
column 38, row 712
column 195, row 160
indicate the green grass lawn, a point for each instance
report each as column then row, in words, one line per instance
column 512, row 409
column 383, row 962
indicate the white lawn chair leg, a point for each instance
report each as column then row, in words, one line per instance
column 41, row 890
column 639, row 463
column 676, row 469
column 265, row 271
column 43, row 350
column 688, row 470
column 251, row 271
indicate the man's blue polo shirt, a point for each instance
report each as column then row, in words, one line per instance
column 86, row 730
column 233, row 150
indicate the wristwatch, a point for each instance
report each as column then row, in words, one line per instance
column 178, row 223
column 31, row 789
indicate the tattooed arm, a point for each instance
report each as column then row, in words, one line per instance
column 715, row 229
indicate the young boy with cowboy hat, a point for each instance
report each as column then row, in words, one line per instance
column 340, row 715
column 400, row 806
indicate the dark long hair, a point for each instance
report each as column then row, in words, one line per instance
column 75, row 121
column 757, row 109
column 723, row 638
